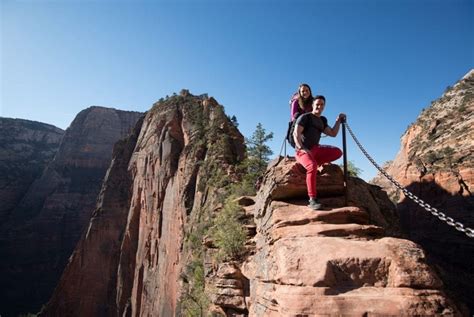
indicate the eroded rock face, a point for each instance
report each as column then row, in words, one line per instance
column 26, row 148
column 44, row 227
column 130, row 259
column 340, row 261
column 435, row 163
column 345, row 260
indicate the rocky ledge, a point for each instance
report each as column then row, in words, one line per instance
column 342, row 260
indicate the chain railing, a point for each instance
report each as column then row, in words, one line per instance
column 435, row 212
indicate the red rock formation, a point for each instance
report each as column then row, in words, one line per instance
column 333, row 262
column 134, row 258
column 44, row 227
column 435, row 162
column 130, row 259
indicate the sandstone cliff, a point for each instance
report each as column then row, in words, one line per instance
column 26, row 147
column 129, row 260
column 435, row 162
column 43, row 228
column 145, row 251
column 341, row 261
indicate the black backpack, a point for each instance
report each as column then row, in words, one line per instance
column 291, row 129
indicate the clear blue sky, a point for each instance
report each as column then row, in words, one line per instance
column 381, row 62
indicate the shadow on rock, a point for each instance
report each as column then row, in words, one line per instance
column 450, row 250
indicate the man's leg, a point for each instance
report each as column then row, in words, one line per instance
column 326, row 153
column 311, row 168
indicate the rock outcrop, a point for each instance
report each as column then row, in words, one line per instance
column 166, row 183
column 26, row 147
column 435, row 163
column 43, row 228
column 128, row 262
column 340, row 261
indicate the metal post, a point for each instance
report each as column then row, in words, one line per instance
column 344, row 152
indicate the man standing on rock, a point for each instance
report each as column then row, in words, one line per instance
column 309, row 152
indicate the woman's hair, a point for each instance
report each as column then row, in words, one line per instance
column 302, row 104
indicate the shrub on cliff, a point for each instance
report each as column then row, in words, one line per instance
column 194, row 301
column 228, row 234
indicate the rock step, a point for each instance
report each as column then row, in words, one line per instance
column 339, row 262
column 286, row 214
column 347, row 230
column 288, row 300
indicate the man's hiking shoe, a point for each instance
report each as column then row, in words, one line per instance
column 314, row 204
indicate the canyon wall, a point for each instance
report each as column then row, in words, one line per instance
column 435, row 163
column 43, row 228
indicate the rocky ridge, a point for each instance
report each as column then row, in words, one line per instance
column 130, row 259
column 338, row 261
column 166, row 182
column 438, row 147
column 435, row 162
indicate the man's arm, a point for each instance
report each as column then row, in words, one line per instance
column 335, row 129
column 297, row 134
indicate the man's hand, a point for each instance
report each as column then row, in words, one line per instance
column 341, row 118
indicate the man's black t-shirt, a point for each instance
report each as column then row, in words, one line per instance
column 313, row 126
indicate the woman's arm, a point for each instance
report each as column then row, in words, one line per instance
column 294, row 109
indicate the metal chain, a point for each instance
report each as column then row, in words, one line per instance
column 450, row 221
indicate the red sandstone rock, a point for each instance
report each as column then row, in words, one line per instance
column 435, row 162
column 300, row 262
column 336, row 261
column 138, row 230
column 290, row 181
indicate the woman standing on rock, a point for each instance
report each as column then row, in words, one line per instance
column 301, row 102
column 309, row 152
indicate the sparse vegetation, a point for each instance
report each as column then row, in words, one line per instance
column 352, row 170
column 194, row 301
column 234, row 121
column 432, row 157
column 228, row 234
column 224, row 228
column 395, row 197
column 258, row 151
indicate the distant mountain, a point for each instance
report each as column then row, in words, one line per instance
column 436, row 163
column 42, row 228
column 26, row 147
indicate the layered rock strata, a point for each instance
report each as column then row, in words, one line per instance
column 42, row 230
column 339, row 261
column 132, row 261
column 435, row 162
column 26, row 147
column 129, row 261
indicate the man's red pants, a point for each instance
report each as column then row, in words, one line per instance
column 319, row 154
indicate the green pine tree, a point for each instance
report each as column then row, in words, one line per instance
column 258, row 152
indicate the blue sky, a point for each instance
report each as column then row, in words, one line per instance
column 381, row 62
